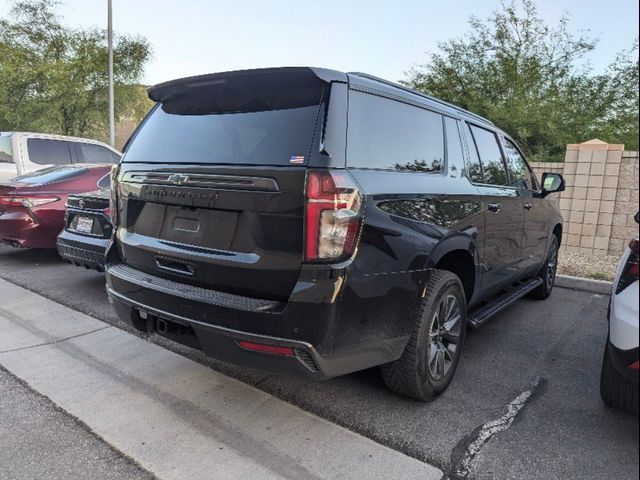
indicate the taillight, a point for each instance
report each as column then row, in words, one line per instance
column 631, row 269
column 113, row 196
column 333, row 216
column 26, row 201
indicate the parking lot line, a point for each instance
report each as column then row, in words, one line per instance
column 177, row 418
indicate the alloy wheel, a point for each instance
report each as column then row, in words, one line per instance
column 444, row 337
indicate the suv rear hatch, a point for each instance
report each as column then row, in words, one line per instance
column 211, row 188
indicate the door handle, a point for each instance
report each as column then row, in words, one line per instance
column 528, row 206
column 493, row 207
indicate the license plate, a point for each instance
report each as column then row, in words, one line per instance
column 84, row 224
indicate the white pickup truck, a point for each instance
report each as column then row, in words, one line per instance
column 22, row 152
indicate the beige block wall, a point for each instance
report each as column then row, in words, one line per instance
column 624, row 227
column 600, row 199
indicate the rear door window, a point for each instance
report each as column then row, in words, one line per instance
column 92, row 153
column 386, row 134
column 6, row 155
column 43, row 151
column 493, row 167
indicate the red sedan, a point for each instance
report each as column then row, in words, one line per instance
column 32, row 206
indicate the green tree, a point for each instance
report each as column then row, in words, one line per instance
column 526, row 76
column 54, row 78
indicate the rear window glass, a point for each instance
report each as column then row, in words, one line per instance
column 386, row 134
column 251, row 125
column 91, row 153
column 5, row 149
column 44, row 151
column 50, row 175
column 105, row 182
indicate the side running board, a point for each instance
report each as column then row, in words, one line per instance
column 480, row 314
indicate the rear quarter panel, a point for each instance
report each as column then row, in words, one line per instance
column 411, row 221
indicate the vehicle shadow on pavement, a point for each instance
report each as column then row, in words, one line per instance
column 32, row 255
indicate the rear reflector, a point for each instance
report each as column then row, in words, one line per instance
column 270, row 349
column 635, row 366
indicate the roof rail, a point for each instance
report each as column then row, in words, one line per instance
column 428, row 97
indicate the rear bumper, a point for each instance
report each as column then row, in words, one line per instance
column 19, row 229
column 623, row 318
column 623, row 333
column 83, row 251
column 216, row 325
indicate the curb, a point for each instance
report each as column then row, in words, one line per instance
column 585, row 284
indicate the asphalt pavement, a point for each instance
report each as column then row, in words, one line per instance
column 533, row 371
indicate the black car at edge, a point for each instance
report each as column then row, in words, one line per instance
column 311, row 222
column 87, row 228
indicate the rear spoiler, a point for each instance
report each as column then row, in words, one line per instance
column 167, row 90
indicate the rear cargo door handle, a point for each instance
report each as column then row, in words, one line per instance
column 493, row 207
column 175, row 266
column 528, row 206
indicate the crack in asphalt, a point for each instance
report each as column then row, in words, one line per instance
column 472, row 445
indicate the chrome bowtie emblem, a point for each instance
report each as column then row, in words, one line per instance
column 178, row 179
column 81, row 204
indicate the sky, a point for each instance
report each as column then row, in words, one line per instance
column 382, row 38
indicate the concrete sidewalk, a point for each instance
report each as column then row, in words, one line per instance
column 176, row 418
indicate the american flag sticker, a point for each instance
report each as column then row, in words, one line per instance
column 296, row 159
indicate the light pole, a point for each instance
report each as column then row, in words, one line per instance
column 112, row 127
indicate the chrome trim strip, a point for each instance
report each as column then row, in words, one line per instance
column 185, row 179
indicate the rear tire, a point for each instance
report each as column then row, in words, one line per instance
column 431, row 356
column 548, row 272
column 616, row 390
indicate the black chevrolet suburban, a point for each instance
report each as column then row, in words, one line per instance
column 310, row 222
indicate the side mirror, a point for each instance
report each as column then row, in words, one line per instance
column 551, row 183
column 636, row 217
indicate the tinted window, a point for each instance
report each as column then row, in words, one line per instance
column 392, row 135
column 49, row 152
column 91, row 153
column 454, row 146
column 474, row 170
column 493, row 168
column 519, row 172
column 5, row 149
column 279, row 137
column 105, row 182
column 253, row 123
column 51, row 175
